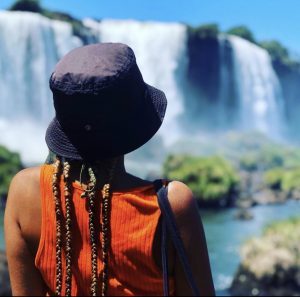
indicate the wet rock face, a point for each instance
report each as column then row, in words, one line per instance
column 267, row 196
column 4, row 276
column 247, row 284
column 270, row 264
column 289, row 78
column 244, row 214
column 204, row 69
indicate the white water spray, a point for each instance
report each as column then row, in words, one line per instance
column 30, row 46
column 259, row 90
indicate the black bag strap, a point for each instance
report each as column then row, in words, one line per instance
column 169, row 224
column 164, row 257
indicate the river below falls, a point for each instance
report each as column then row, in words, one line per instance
column 225, row 235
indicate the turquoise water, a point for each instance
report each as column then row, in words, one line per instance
column 225, row 235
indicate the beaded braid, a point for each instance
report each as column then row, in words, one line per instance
column 105, row 230
column 58, row 215
column 68, row 196
column 106, row 209
column 94, row 255
column 105, row 236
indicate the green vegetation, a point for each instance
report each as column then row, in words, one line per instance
column 27, row 5
column 242, row 31
column 211, row 179
column 278, row 52
column 77, row 25
column 291, row 180
column 249, row 162
column 284, row 180
column 255, row 152
column 284, row 228
column 259, row 166
column 10, row 164
column 240, row 144
column 283, row 170
column 205, row 31
column 274, row 178
column 35, row 6
column 266, row 158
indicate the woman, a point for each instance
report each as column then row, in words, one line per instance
column 83, row 225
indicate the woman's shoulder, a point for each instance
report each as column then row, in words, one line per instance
column 23, row 208
column 25, row 186
column 182, row 201
column 27, row 177
column 180, row 195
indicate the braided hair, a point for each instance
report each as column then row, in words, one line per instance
column 105, row 230
column 63, row 167
column 93, row 239
column 68, row 198
column 58, row 215
column 106, row 210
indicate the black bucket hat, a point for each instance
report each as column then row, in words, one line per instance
column 103, row 106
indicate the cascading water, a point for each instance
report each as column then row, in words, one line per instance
column 259, row 90
column 30, row 46
column 162, row 60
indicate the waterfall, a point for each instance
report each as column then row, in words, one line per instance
column 249, row 94
column 258, row 88
column 160, row 50
column 30, row 46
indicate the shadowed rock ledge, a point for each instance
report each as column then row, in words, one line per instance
column 4, row 277
column 270, row 264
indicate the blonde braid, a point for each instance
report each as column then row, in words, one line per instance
column 58, row 214
column 94, row 255
column 90, row 193
column 105, row 236
column 68, row 199
column 106, row 209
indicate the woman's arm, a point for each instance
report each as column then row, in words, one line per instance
column 25, row 278
column 191, row 230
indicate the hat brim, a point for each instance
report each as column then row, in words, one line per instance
column 126, row 136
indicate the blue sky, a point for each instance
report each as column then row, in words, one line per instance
column 268, row 19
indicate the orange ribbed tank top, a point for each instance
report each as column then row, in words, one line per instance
column 134, row 219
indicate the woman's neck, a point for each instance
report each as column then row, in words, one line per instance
column 120, row 178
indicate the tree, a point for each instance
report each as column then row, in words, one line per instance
column 27, row 5
column 10, row 164
column 212, row 179
column 35, row 6
column 205, row 31
column 277, row 51
column 243, row 32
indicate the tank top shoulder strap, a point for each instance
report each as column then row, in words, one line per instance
column 170, row 228
column 159, row 183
